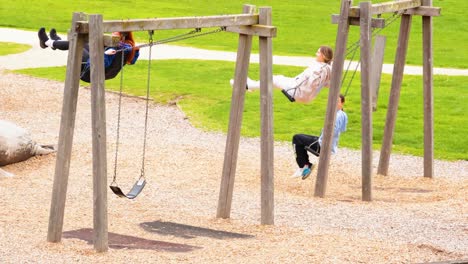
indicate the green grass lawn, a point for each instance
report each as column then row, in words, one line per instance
column 7, row 48
column 204, row 94
column 303, row 25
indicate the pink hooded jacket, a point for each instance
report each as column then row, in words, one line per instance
column 311, row 81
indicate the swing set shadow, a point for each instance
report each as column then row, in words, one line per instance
column 189, row 231
column 118, row 241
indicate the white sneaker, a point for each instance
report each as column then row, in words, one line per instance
column 297, row 173
column 231, row 82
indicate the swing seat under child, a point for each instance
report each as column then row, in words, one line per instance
column 291, row 98
column 311, row 150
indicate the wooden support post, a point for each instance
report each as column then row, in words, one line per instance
column 266, row 105
column 397, row 79
column 428, row 94
column 366, row 100
column 67, row 126
column 340, row 49
column 98, row 115
column 376, row 68
column 235, row 122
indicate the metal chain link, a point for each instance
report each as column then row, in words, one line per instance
column 192, row 34
column 150, row 42
column 355, row 45
column 118, row 119
column 353, row 48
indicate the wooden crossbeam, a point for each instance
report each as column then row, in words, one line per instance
column 389, row 7
column 109, row 41
column 254, row 30
column 375, row 22
column 172, row 23
column 423, row 11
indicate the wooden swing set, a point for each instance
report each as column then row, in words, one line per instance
column 247, row 25
column 362, row 16
column 91, row 29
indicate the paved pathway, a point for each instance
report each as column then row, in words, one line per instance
column 37, row 57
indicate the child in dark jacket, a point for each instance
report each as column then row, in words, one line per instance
column 112, row 55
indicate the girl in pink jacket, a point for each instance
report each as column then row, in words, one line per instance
column 305, row 86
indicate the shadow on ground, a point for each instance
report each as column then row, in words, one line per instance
column 117, row 241
column 187, row 231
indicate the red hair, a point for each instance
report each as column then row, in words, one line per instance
column 127, row 37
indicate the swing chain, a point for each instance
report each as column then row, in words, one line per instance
column 353, row 48
column 191, row 34
column 150, row 41
column 150, row 44
column 355, row 45
column 150, row 33
column 197, row 32
column 178, row 37
column 114, row 179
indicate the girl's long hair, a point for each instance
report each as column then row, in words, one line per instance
column 128, row 38
column 327, row 53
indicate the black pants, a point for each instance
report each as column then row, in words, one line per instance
column 85, row 71
column 61, row 44
column 300, row 141
column 64, row 45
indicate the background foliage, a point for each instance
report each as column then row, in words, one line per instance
column 303, row 25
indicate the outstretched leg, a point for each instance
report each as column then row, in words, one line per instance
column 57, row 41
column 286, row 84
column 60, row 44
column 279, row 82
column 54, row 42
column 250, row 86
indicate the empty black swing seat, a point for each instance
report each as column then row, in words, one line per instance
column 134, row 192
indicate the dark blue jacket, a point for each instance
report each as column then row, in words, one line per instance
column 112, row 63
